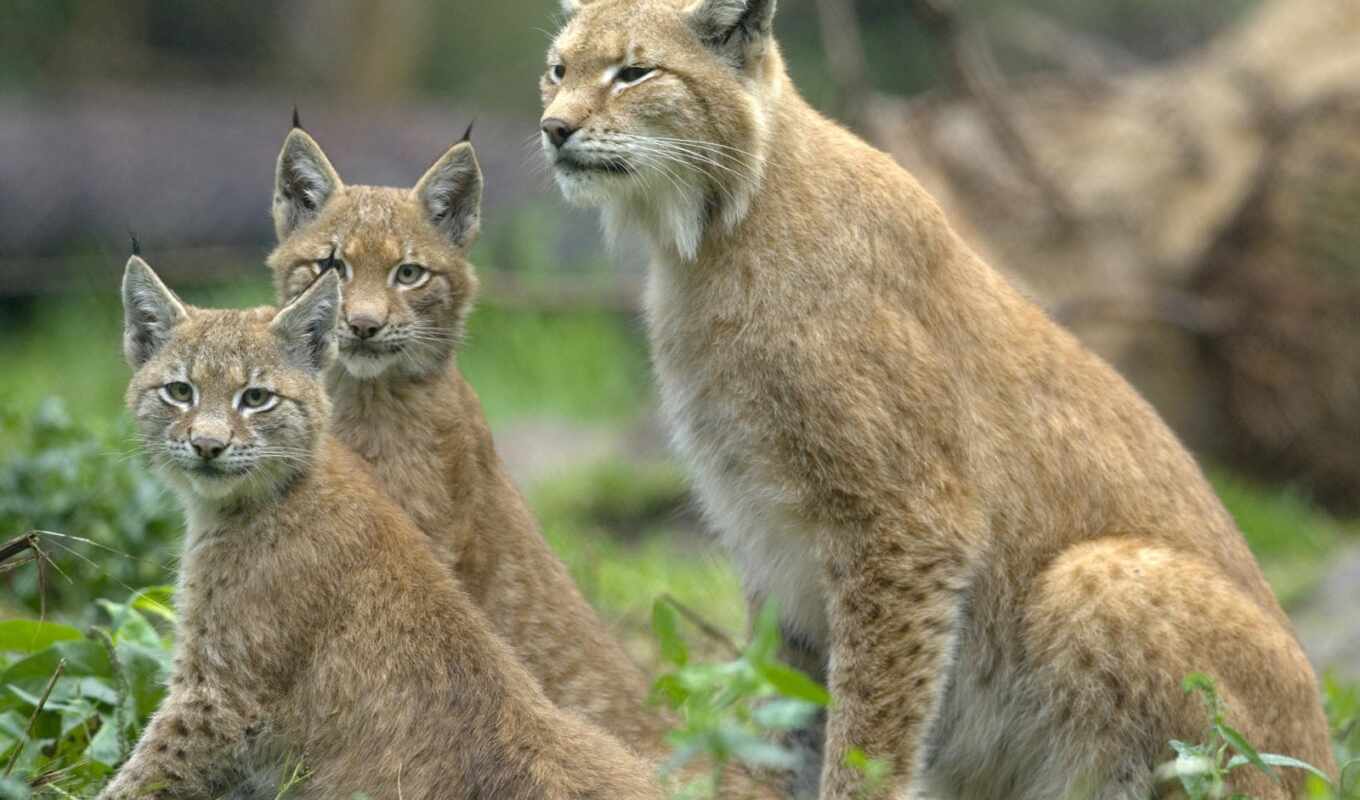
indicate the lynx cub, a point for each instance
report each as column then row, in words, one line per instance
column 400, row 402
column 987, row 542
column 315, row 623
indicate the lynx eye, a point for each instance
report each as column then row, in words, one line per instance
column 558, row 72
column 178, row 393
column 633, row 74
column 255, row 398
column 409, row 275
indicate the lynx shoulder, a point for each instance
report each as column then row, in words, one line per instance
column 989, row 545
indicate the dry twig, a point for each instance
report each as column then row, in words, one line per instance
column 707, row 628
column 32, row 720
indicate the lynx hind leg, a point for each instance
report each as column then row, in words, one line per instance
column 1115, row 625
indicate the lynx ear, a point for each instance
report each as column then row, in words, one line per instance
column 451, row 192
column 150, row 312
column 739, row 30
column 306, row 327
column 303, row 181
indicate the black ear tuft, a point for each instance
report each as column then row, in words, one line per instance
column 150, row 312
column 304, row 181
column 451, row 192
column 297, row 122
column 136, row 245
column 467, row 134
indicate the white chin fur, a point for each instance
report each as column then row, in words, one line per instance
column 588, row 189
column 366, row 367
column 215, row 488
column 668, row 208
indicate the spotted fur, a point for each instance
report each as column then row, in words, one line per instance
column 316, row 629
column 993, row 548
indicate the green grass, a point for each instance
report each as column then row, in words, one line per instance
column 583, row 366
column 1291, row 538
column 619, row 529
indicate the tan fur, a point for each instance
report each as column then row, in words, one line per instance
column 316, row 626
column 422, row 428
column 987, row 542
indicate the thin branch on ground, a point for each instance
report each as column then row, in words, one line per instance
column 707, row 628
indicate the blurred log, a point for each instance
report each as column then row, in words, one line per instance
column 1208, row 207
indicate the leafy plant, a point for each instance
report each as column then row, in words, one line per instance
column 732, row 710
column 57, row 476
column 72, row 702
column 1342, row 702
column 1203, row 769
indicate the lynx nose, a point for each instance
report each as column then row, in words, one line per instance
column 365, row 327
column 207, row 447
column 558, row 130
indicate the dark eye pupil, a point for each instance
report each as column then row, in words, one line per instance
column 631, row 74
column 559, row 71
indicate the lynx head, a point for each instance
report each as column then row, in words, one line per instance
column 401, row 255
column 657, row 111
column 228, row 404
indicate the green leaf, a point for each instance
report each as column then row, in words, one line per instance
column 755, row 751
column 1194, row 770
column 784, row 714
column 1242, row 746
column 99, row 689
column 1279, row 761
column 792, row 683
column 145, row 671
column 669, row 690
column 85, row 657
column 765, row 635
column 1199, row 682
column 666, row 626
column 106, row 747
column 874, row 770
column 157, row 601
column 30, row 636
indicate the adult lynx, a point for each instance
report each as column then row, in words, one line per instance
column 315, row 624
column 987, row 542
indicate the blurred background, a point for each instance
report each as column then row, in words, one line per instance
column 1177, row 182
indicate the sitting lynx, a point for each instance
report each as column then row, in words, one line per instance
column 316, row 625
column 993, row 549
column 400, row 402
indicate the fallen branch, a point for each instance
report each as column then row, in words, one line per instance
column 28, row 542
column 1086, row 56
column 972, row 73
column 707, row 628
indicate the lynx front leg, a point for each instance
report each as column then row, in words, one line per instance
column 894, row 615
column 188, row 750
